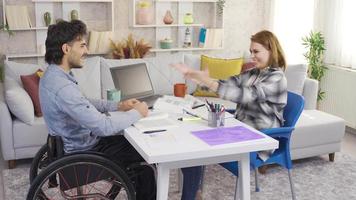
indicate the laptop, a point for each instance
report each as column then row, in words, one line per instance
column 134, row 82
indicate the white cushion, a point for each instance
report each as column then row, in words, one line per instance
column 18, row 101
column 14, row 70
column 88, row 78
column 296, row 75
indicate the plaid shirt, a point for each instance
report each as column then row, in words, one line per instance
column 261, row 96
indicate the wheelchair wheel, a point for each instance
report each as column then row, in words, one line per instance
column 39, row 162
column 82, row 176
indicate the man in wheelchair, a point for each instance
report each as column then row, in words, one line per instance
column 82, row 126
column 81, row 122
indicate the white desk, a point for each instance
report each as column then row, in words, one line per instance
column 178, row 148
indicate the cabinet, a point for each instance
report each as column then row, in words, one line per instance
column 204, row 14
column 61, row 9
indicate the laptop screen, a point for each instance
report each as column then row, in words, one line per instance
column 133, row 81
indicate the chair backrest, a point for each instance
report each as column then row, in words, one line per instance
column 293, row 109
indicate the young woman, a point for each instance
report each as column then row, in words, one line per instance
column 260, row 93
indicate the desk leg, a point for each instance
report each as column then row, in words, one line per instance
column 162, row 182
column 243, row 182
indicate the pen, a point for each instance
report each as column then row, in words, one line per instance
column 198, row 106
column 189, row 119
column 154, row 131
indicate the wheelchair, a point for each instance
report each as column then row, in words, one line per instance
column 83, row 175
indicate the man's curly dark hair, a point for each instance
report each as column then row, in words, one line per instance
column 59, row 34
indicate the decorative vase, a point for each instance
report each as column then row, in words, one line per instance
column 188, row 18
column 168, row 18
column 187, row 38
column 47, row 18
column 74, row 15
column 144, row 14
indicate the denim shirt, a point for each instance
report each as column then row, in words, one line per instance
column 78, row 120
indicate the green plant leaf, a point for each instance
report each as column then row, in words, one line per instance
column 314, row 43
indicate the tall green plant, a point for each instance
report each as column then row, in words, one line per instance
column 315, row 45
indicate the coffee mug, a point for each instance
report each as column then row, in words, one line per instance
column 113, row 95
column 180, row 89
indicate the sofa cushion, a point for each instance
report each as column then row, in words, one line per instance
column 88, row 78
column 14, row 70
column 218, row 69
column 29, row 135
column 296, row 75
column 31, row 84
column 18, row 101
column 315, row 127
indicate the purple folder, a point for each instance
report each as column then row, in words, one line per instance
column 225, row 135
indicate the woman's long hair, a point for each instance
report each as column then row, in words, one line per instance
column 269, row 41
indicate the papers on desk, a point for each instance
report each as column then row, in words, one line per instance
column 172, row 104
column 155, row 121
column 227, row 135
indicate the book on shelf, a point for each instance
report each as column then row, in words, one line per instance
column 99, row 41
column 17, row 17
column 211, row 38
column 202, row 35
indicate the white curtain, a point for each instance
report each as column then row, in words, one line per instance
column 336, row 19
column 291, row 20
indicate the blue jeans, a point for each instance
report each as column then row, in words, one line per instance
column 191, row 182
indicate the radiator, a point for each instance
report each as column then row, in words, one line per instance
column 339, row 85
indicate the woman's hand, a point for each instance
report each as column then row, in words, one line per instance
column 197, row 76
column 127, row 104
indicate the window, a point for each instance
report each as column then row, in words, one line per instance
column 290, row 21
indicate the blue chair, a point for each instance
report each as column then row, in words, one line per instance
column 280, row 156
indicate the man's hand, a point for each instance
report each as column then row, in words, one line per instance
column 142, row 108
column 127, row 104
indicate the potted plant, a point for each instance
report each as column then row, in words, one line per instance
column 315, row 45
column 129, row 48
column 5, row 27
column 220, row 6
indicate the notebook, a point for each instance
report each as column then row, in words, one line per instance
column 134, row 81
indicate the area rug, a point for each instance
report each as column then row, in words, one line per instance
column 314, row 178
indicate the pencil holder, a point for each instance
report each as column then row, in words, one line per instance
column 216, row 119
column 212, row 119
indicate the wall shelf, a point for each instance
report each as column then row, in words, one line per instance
column 185, row 49
column 70, row 1
column 36, row 55
column 202, row 1
column 176, row 31
column 167, row 25
column 58, row 9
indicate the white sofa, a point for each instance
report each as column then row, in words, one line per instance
column 316, row 133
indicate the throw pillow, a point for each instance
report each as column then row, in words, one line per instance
column 218, row 69
column 18, row 101
column 31, row 85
